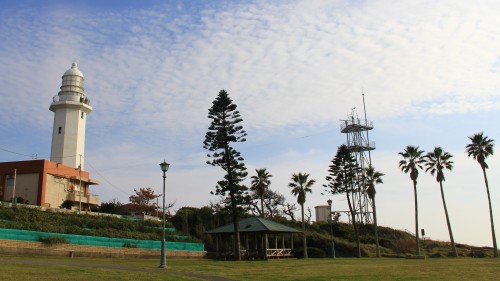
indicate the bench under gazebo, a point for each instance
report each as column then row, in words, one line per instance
column 259, row 238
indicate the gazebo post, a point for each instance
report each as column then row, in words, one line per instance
column 232, row 243
column 256, row 242
column 217, row 253
column 247, row 245
column 265, row 246
column 262, row 247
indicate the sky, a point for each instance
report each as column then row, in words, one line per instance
column 429, row 71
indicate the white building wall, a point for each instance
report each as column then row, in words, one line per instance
column 57, row 190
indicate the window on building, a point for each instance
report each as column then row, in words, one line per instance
column 59, row 130
column 83, row 114
column 10, row 181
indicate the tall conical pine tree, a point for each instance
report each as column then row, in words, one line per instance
column 342, row 177
column 224, row 130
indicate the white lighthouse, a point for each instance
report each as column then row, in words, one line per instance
column 70, row 108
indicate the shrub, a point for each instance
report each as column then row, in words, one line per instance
column 344, row 230
column 315, row 252
column 67, row 204
column 129, row 245
column 404, row 246
column 386, row 243
column 436, row 255
column 312, row 252
column 392, row 256
column 298, row 253
column 344, row 248
column 316, row 240
column 367, row 239
column 433, row 244
column 477, row 253
column 52, row 240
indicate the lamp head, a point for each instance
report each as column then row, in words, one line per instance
column 329, row 201
column 164, row 166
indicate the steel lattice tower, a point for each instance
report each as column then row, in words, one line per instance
column 359, row 145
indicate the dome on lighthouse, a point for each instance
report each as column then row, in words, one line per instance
column 72, row 84
column 73, row 70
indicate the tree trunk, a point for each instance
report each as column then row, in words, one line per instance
column 453, row 247
column 417, row 236
column 262, row 207
column 495, row 249
column 355, row 225
column 377, row 246
column 304, row 241
column 234, row 208
column 236, row 223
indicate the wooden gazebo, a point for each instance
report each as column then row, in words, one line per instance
column 260, row 238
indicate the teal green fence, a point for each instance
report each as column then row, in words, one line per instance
column 27, row 235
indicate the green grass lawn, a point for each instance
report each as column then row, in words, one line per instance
column 49, row 268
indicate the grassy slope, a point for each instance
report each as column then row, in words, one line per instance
column 73, row 223
column 393, row 242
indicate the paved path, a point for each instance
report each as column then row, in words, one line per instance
column 119, row 267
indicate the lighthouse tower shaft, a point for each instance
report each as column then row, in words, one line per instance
column 71, row 107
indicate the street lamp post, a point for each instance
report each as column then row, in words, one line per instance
column 329, row 201
column 163, row 259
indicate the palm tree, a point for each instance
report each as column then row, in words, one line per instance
column 412, row 161
column 480, row 148
column 260, row 184
column 300, row 185
column 435, row 162
column 372, row 177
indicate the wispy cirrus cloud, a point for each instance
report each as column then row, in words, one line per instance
column 311, row 58
column 293, row 68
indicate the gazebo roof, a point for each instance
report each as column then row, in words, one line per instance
column 254, row 224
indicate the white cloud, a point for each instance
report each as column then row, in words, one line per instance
column 293, row 69
column 302, row 60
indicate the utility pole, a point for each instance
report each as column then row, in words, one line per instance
column 14, row 201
